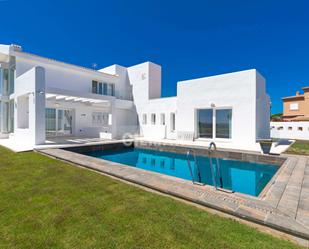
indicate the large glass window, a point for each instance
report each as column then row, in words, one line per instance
column 223, row 123
column 205, row 123
column 11, row 115
column 58, row 122
column 222, row 126
column 11, row 80
column 11, row 75
column 50, row 121
column 113, row 89
column 5, row 117
column 100, row 88
column 5, row 82
column 103, row 88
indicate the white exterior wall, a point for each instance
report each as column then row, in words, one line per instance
column 145, row 79
column 160, row 106
column 67, row 80
column 290, row 130
column 30, row 125
column 123, row 89
column 138, row 92
column 236, row 91
column 60, row 77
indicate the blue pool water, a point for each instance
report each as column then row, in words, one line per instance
column 238, row 176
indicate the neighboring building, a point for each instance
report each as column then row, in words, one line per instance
column 294, row 122
column 296, row 108
column 42, row 98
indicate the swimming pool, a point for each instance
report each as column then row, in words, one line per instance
column 239, row 176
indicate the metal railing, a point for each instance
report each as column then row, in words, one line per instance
column 216, row 169
column 199, row 182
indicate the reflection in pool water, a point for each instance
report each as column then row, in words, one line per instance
column 239, row 176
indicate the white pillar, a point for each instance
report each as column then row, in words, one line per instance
column 31, row 85
column 39, row 102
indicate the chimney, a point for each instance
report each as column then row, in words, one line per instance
column 297, row 93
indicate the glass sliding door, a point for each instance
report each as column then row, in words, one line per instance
column 64, row 122
column 11, row 115
column 223, row 123
column 214, row 123
column 205, row 123
column 5, row 117
column 50, row 122
column 58, row 122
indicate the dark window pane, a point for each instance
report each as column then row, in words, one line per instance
column 94, row 86
column 205, row 123
column 100, row 88
column 105, row 89
column 224, row 123
column 113, row 89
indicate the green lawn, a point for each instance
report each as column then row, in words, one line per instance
column 299, row 148
column 45, row 203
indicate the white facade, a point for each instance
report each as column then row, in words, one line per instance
column 43, row 98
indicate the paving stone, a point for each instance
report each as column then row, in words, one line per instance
column 286, row 224
column 288, row 192
column 291, row 195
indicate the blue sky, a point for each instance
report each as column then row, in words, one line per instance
column 189, row 39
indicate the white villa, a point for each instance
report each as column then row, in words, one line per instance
column 42, row 99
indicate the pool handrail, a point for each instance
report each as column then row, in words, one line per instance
column 189, row 152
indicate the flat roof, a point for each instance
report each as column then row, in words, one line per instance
column 72, row 66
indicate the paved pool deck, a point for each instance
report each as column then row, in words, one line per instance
column 283, row 204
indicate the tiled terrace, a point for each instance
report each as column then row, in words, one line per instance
column 290, row 191
column 283, row 205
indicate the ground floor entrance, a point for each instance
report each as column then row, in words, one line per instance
column 59, row 122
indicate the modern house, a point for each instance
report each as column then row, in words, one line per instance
column 42, row 99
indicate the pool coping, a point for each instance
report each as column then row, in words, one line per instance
column 235, row 155
column 242, row 206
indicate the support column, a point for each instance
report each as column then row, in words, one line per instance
column 39, row 103
column 30, row 89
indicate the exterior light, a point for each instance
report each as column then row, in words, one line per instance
column 212, row 104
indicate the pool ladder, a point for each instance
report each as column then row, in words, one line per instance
column 214, row 168
column 191, row 152
column 217, row 168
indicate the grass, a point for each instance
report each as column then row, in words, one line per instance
column 45, row 203
column 299, row 148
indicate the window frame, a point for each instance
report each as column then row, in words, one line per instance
column 231, row 126
column 214, row 123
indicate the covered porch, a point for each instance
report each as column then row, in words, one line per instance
column 69, row 114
